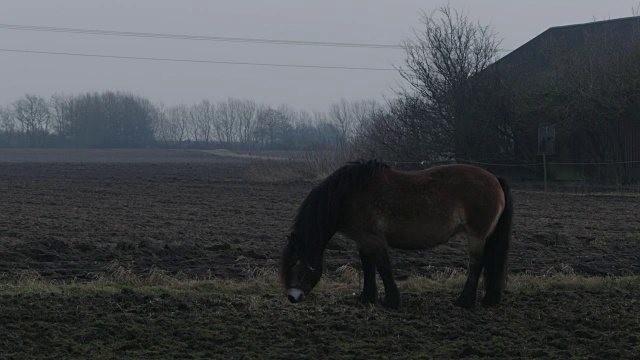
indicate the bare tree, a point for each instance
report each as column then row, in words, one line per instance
column 342, row 118
column 178, row 117
column 274, row 126
column 8, row 126
column 227, row 124
column 7, row 120
column 171, row 125
column 161, row 128
column 350, row 118
column 33, row 116
column 308, row 131
column 363, row 112
column 59, row 105
column 247, row 122
column 401, row 130
column 202, row 119
column 262, row 119
column 442, row 57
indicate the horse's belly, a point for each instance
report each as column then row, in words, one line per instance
column 408, row 239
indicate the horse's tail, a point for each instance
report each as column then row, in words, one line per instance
column 496, row 249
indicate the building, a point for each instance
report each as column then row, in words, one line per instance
column 600, row 56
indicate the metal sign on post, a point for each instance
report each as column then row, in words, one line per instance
column 546, row 140
column 546, row 146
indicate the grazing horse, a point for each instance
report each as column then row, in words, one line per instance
column 377, row 206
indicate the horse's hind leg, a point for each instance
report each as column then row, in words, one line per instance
column 476, row 262
column 370, row 291
column 468, row 297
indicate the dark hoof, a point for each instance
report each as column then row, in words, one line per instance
column 367, row 298
column 464, row 302
column 490, row 300
column 391, row 302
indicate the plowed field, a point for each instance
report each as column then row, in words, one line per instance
column 74, row 216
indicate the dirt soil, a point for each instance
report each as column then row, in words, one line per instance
column 559, row 325
column 198, row 214
column 75, row 215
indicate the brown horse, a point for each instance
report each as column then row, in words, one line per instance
column 377, row 206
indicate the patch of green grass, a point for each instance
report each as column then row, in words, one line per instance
column 229, row 153
column 635, row 237
column 346, row 280
column 223, row 152
column 599, row 240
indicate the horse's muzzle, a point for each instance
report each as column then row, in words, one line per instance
column 295, row 295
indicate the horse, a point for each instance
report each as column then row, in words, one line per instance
column 377, row 206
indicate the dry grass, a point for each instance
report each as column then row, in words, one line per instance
column 346, row 280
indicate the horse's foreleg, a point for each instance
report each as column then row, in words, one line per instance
column 370, row 291
column 383, row 264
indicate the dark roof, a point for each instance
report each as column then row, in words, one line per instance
column 570, row 38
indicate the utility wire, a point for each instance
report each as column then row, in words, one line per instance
column 452, row 161
column 196, row 61
column 201, row 37
column 195, row 37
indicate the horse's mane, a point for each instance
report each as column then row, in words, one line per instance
column 319, row 214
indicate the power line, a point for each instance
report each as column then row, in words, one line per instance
column 196, row 37
column 202, row 37
column 196, row 61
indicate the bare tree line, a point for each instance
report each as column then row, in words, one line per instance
column 117, row 119
column 245, row 124
column 459, row 103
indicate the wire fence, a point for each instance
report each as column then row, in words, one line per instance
column 566, row 176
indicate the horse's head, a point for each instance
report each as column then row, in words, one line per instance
column 299, row 276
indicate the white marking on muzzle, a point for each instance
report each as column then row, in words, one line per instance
column 295, row 295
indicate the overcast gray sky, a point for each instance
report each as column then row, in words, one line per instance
column 355, row 21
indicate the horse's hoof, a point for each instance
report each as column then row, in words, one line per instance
column 490, row 301
column 464, row 302
column 391, row 303
column 367, row 299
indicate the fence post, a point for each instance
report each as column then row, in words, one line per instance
column 544, row 165
column 546, row 145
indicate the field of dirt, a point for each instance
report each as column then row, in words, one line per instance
column 544, row 325
column 75, row 215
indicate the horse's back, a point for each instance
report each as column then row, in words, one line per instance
column 475, row 193
column 421, row 209
column 450, row 183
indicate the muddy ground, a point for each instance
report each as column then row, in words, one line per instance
column 551, row 325
column 77, row 215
